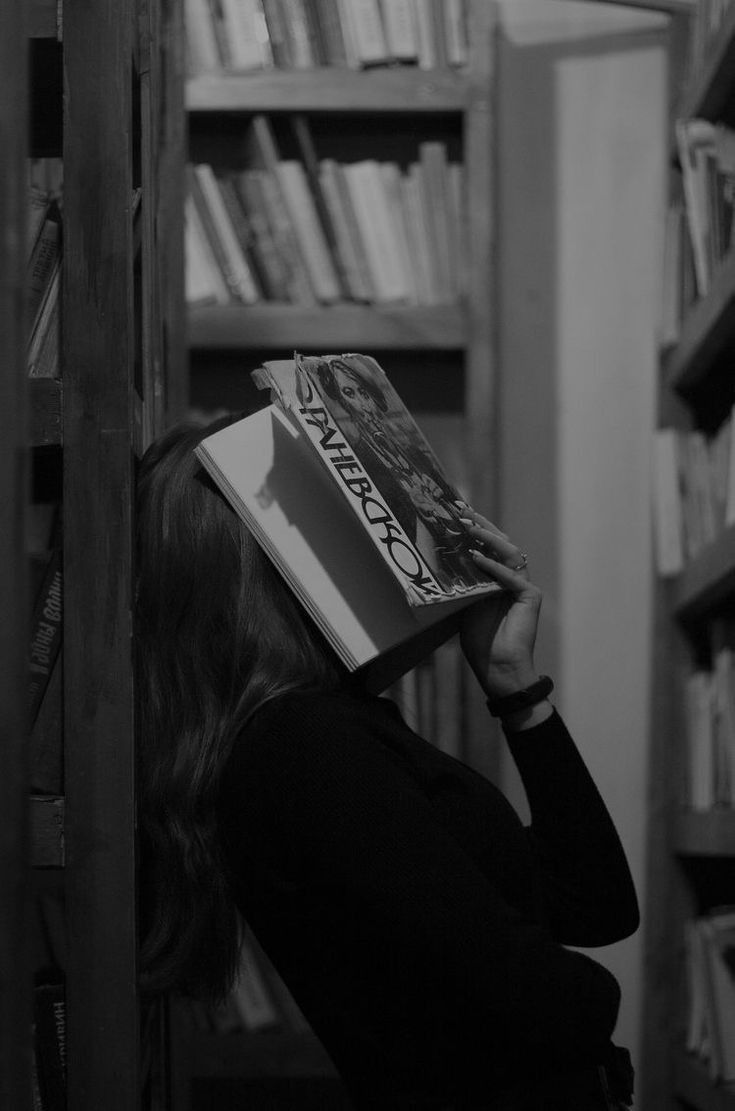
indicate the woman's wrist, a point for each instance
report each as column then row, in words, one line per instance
column 523, row 703
column 528, row 717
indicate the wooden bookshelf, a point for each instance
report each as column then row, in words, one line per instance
column 15, row 957
column 85, row 88
column 691, row 853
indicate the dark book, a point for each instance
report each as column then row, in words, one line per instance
column 49, row 1019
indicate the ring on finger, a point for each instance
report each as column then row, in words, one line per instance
column 523, row 563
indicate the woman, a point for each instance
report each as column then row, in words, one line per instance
column 419, row 925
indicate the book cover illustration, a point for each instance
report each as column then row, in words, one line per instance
column 385, row 468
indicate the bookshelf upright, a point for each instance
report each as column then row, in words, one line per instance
column 439, row 355
column 95, row 91
column 691, row 871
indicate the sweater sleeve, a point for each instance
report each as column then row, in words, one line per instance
column 331, row 805
column 588, row 890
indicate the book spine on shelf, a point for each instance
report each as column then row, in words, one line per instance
column 204, row 282
column 202, row 51
column 49, row 1012
column 372, row 214
column 46, row 633
column 367, row 34
column 309, row 232
column 217, row 224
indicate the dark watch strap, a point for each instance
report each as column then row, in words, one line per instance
column 521, row 700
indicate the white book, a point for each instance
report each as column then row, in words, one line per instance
column 349, row 244
column 667, row 509
column 366, row 32
column 372, row 214
column 455, row 32
column 203, row 281
column 307, row 227
column 426, row 32
column 243, row 25
column 695, row 140
column 201, row 42
column 392, row 176
column 383, row 599
column 700, row 740
column 401, row 31
column 238, row 273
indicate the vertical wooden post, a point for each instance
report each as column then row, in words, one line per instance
column 102, row 1008
column 481, row 370
column 15, row 980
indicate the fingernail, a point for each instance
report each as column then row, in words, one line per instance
column 467, row 521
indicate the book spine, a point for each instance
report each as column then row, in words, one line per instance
column 373, row 218
column 219, row 226
column 398, row 551
column 202, row 52
column 43, row 262
column 401, row 33
column 46, row 633
column 366, row 31
column 43, row 348
column 305, row 218
column 50, row 1044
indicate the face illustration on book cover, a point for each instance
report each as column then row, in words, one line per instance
column 399, row 461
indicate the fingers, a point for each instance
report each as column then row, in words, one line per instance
column 495, row 549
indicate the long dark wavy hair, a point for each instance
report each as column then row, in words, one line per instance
column 217, row 633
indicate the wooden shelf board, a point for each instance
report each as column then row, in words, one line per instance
column 329, row 90
column 268, row 1053
column 708, row 579
column 710, row 89
column 694, row 1087
column 705, row 833
column 45, row 411
column 708, row 327
column 43, row 19
column 340, row 327
column 47, row 831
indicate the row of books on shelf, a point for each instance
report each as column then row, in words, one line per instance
column 694, row 492
column 313, row 232
column 705, row 27
column 710, row 962
column 303, row 34
column 709, row 694
column 700, row 230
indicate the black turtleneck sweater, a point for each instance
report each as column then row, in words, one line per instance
column 419, row 924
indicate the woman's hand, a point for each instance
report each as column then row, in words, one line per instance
column 498, row 633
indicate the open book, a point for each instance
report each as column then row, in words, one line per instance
column 340, row 487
